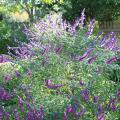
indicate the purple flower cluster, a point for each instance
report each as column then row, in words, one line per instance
column 101, row 113
column 17, row 73
column 35, row 114
column 3, row 114
column 86, row 54
column 20, row 103
column 91, row 60
column 81, row 113
column 82, row 83
column 36, row 40
column 101, row 116
column 85, row 95
column 114, row 59
column 29, row 73
column 91, row 27
column 73, row 110
column 112, row 104
column 95, row 98
column 21, row 52
column 32, row 113
column 80, row 20
column 4, row 58
column 8, row 77
column 49, row 84
column 58, row 49
column 110, row 42
column 16, row 115
column 4, row 95
column 118, row 94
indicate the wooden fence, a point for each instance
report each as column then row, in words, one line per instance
column 108, row 26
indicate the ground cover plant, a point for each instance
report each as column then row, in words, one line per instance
column 62, row 73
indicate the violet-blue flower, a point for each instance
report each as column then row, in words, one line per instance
column 90, row 30
column 95, row 99
column 92, row 59
column 16, row 115
column 82, row 18
column 112, row 104
column 100, row 113
column 69, row 109
column 20, row 102
column 17, row 73
column 49, row 84
column 4, row 95
column 100, row 108
column 85, row 95
column 86, row 54
column 118, row 94
column 28, row 105
column 111, row 60
column 41, row 113
column 81, row 113
column 65, row 117
column 82, row 83
column 8, row 77
column 101, row 116
column 29, row 73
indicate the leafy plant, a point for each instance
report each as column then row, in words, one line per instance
column 64, row 73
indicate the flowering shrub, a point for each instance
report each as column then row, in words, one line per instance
column 64, row 73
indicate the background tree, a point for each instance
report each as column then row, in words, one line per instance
column 100, row 9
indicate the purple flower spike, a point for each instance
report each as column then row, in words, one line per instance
column 86, row 54
column 30, row 116
column 4, row 95
column 112, row 104
column 17, row 74
column 90, row 30
column 8, row 77
column 110, row 61
column 68, row 109
column 35, row 113
column 41, row 113
column 101, row 116
column 7, row 115
column 92, row 59
column 65, row 117
column 20, row 103
column 28, row 105
column 55, row 116
column 3, row 58
column 58, row 49
column 81, row 113
column 100, row 109
column 16, row 115
column 54, row 86
column 82, row 18
column 95, row 99
column 82, row 83
column 1, row 113
column 85, row 95
column 118, row 94
column 48, row 83
column 29, row 72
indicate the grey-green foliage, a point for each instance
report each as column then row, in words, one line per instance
column 65, row 68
